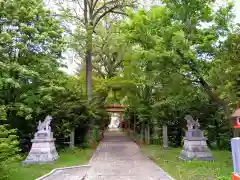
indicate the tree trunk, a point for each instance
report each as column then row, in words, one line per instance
column 89, row 29
column 72, row 139
column 88, row 59
column 165, row 137
column 217, row 133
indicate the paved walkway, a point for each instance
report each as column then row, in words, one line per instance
column 72, row 173
column 119, row 158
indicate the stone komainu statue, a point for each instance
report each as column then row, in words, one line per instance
column 195, row 145
column 45, row 125
column 191, row 123
column 43, row 148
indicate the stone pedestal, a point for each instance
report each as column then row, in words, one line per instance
column 43, row 149
column 195, row 146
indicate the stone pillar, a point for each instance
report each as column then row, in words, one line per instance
column 72, row 139
column 235, row 144
column 134, row 123
column 165, row 137
column 142, row 132
column 155, row 133
column 147, row 134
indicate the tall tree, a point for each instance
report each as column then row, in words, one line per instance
column 181, row 39
column 92, row 12
column 184, row 44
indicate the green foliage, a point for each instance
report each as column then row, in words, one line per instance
column 8, row 150
column 33, row 86
column 176, row 59
column 224, row 178
column 96, row 134
column 175, row 63
column 31, row 44
column 31, row 82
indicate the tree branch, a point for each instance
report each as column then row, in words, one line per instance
column 94, row 4
column 70, row 16
column 85, row 11
column 104, row 6
column 119, row 12
column 103, row 15
column 78, row 2
column 202, row 81
column 90, row 5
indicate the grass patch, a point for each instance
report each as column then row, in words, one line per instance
column 67, row 157
column 168, row 160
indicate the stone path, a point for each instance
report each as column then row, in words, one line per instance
column 71, row 173
column 119, row 158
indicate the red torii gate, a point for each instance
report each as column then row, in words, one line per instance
column 117, row 109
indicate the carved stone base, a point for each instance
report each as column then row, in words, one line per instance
column 195, row 147
column 42, row 151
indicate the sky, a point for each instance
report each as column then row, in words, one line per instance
column 237, row 10
column 70, row 57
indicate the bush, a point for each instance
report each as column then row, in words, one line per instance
column 8, row 150
column 96, row 134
